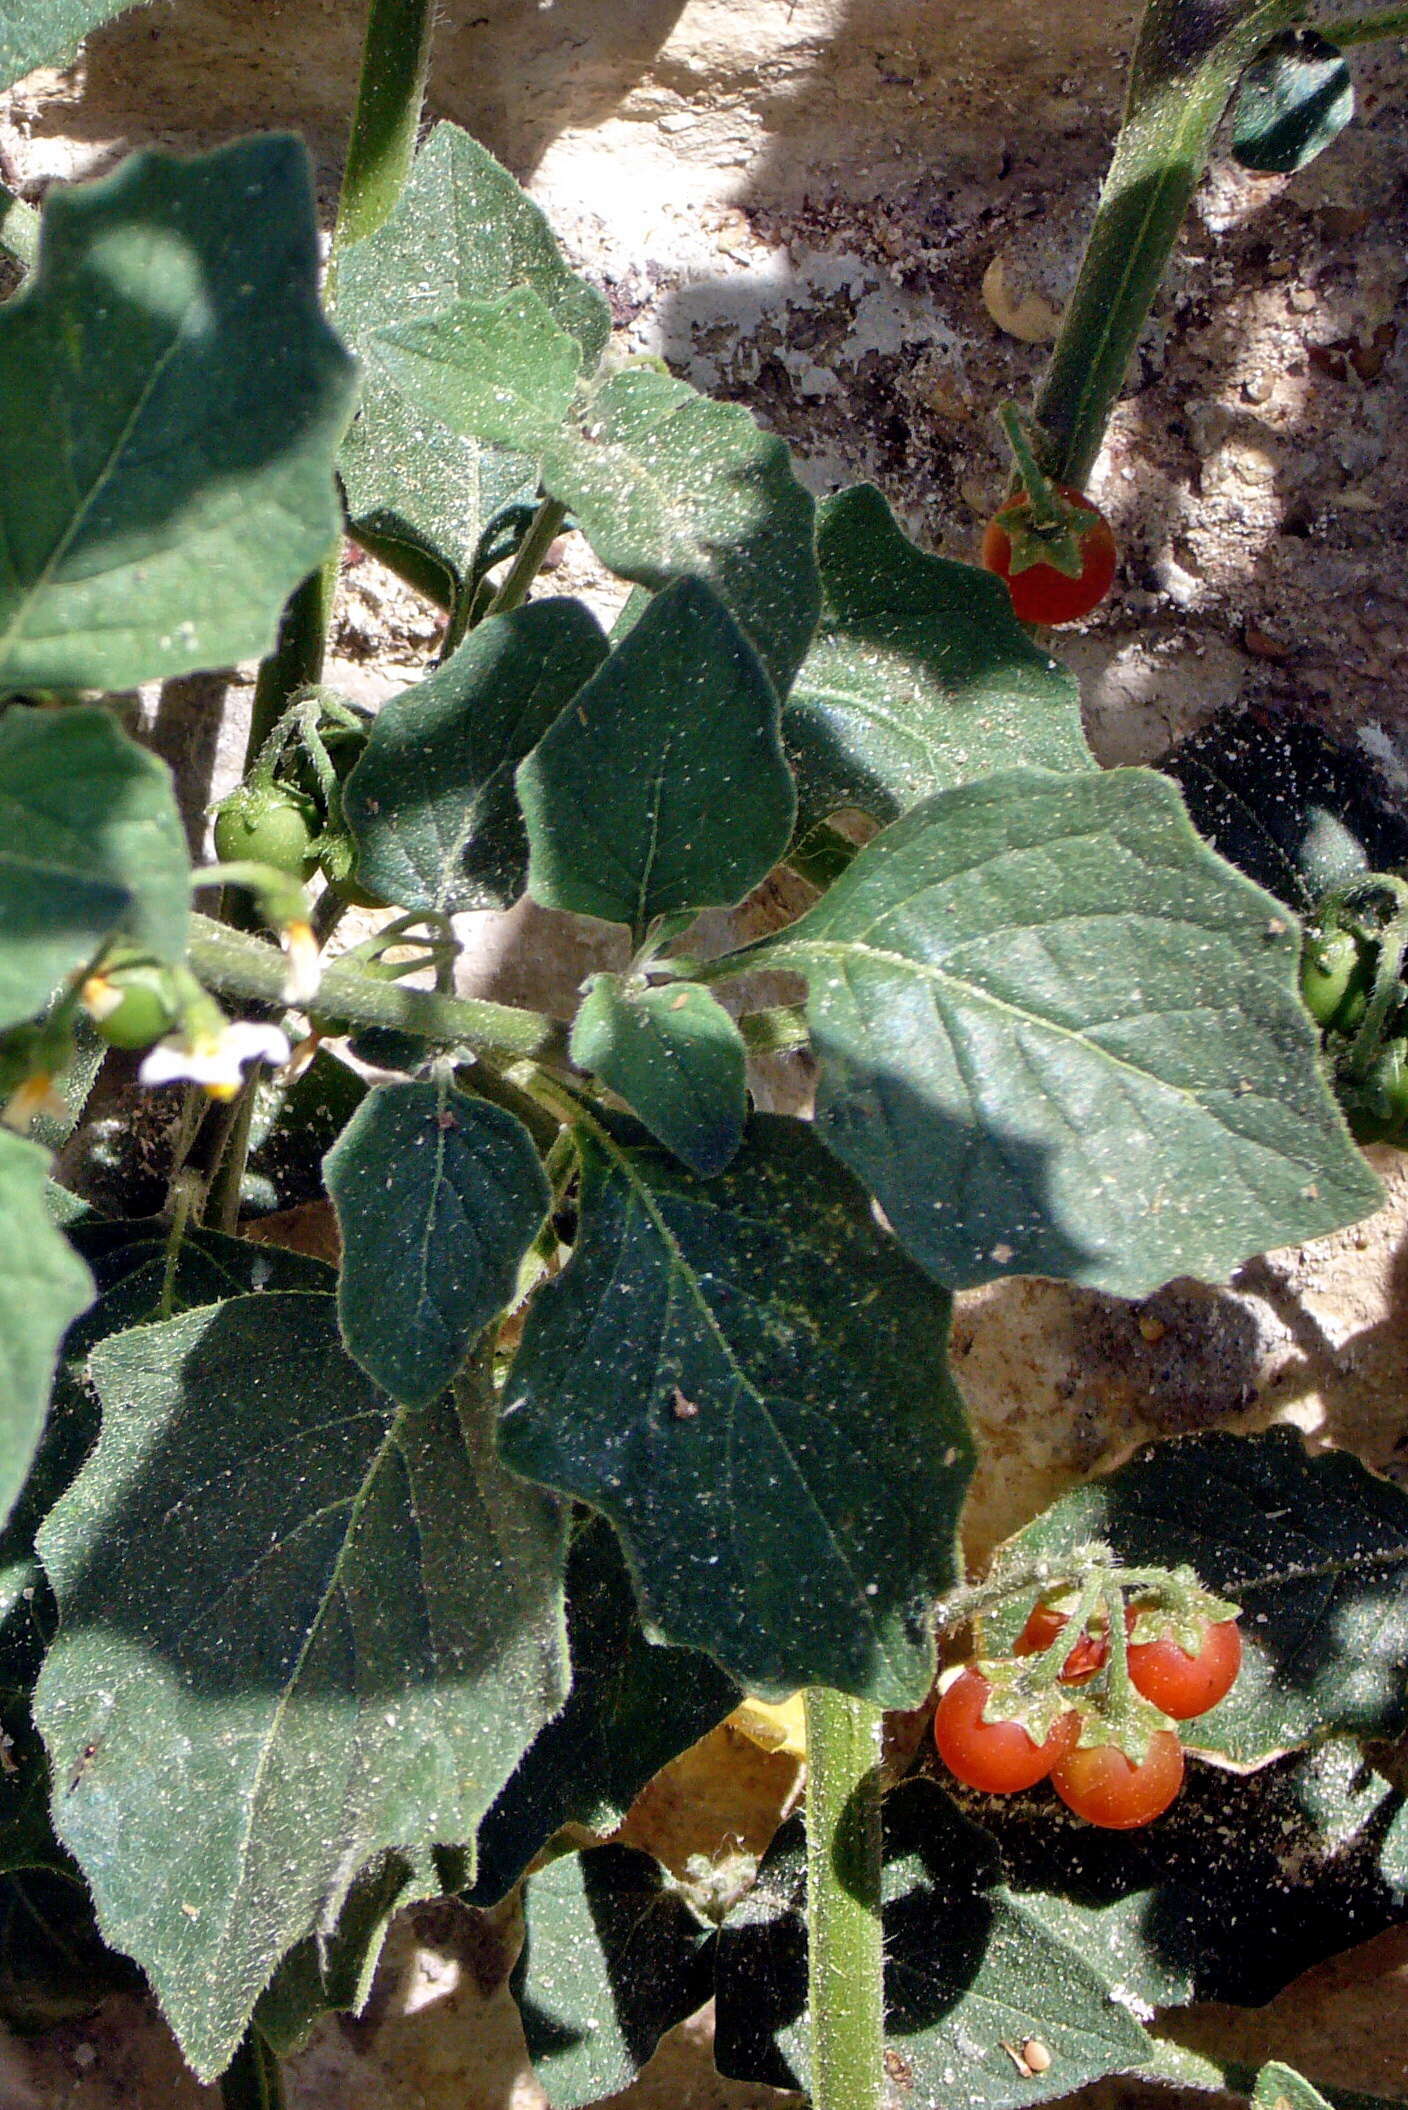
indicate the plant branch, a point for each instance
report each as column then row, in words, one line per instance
column 845, row 1952
column 1345, row 30
column 234, row 964
column 528, row 560
column 297, row 658
column 253, row 2081
column 19, row 230
column 1187, row 62
column 382, row 143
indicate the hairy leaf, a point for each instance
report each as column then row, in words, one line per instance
column 438, row 1197
column 970, row 1973
column 43, row 1286
column 431, row 802
column 300, row 1626
column 634, row 1705
column 919, row 678
column 676, row 1057
column 488, row 369
column 1294, row 810
column 1295, row 99
column 1315, row 1550
column 664, row 788
column 1059, row 1036
column 612, row 1957
column 665, row 484
column 171, row 400
column 750, row 1381
column 1244, row 1883
column 41, row 32
column 462, row 230
column 331, row 1970
column 91, row 847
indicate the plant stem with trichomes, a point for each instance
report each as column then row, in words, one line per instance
column 845, row 1943
column 380, row 150
column 1187, row 62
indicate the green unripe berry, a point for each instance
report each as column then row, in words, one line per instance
column 268, row 824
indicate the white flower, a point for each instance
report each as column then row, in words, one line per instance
column 215, row 1059
column 305, row 968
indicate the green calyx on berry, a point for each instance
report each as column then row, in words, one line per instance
column 1045, row 523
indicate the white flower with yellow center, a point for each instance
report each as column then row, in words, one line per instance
column 215, row 1059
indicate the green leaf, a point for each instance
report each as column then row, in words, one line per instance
column 497, row 370
column 664, row 788
column 1291, row 1853
column 300, row 1626
column 1059, row 1036
column 438, row 1197
column 612, row 1957
column 1315, row 1550
column 1394, row 1860
column 1296, row 98
column 43, row 1286
column 750, row 1381
column 1280, row 2087
column 919, row 678
column 665, row 484
column 331, row 1971
column 634, row 1706
column 970, row 1973
column 462, row 230
column 677, row 1059
column 431, row 802
column 171, row 400
column 1294, row 810
column 91, row 846
column 39, row 32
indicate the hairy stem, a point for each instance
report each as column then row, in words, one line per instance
column 382, row 144
column 845, row 1944
column 528, row 562
column 1345, row 30
column 1186, row 65
column 380, row 149
column 253, row 2081
column 234, row 964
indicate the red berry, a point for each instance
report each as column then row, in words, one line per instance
column 996, row 1757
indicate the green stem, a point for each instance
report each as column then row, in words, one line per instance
column 19, row 230
column 845, row 1952
column 227, row 1183
column 1393, row 941
column 185, row 1193
column 1187, row 62
column 237, row 965
column 382, row 143
column 1044, row 505
column 380, row 150
column 297, row 657
column 1364, row 29
column 253, row 2080
column 546, row 527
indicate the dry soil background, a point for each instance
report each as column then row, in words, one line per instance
column 860, row 217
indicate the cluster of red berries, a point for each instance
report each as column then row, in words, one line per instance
column 988, row 1749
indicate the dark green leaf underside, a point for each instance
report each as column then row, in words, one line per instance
column 750, row 1380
